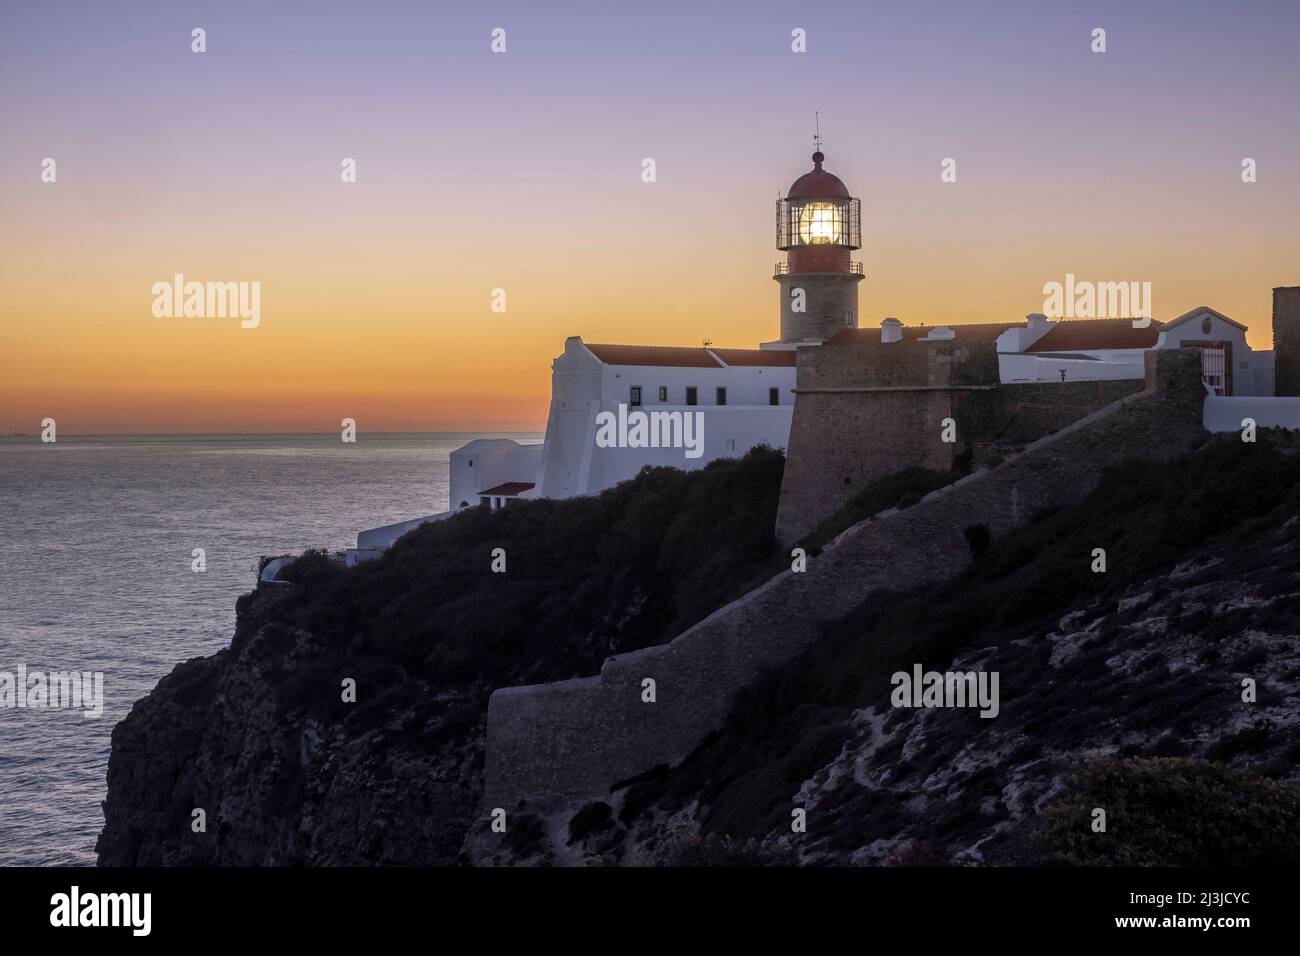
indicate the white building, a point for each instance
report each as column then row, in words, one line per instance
column 742, row 398
column 1074, row 350
column 735, row 399
column 1090, row 349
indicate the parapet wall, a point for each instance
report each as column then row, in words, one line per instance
column 574, row 739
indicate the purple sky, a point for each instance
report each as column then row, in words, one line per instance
column 521, row 171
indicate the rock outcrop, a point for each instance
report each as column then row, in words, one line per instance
column 276, row 790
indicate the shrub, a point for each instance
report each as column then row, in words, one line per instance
column 1170, row 811
column 586, row 578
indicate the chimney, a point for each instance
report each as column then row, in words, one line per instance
column 1286, row 340
column 1036, row 321
column 940, row 333
column 891, row 330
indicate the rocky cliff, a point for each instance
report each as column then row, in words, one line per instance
column 1120, row 689
column 285, row 770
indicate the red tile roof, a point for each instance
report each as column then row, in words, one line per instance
column 665, row 355
column 779, row 358
column 965, row 332
column 1081, row 335
column 679, row 357
column 509, row 488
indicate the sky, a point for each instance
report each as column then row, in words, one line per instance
column 522, row 171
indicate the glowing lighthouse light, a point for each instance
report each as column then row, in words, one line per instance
column 821, row 223
column 818, row 225
column 818, row 221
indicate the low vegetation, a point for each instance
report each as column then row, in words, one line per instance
column 1172, row 812
column 585, row 578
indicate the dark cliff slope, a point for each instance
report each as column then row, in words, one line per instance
column 1120, row 690
column 258, row 735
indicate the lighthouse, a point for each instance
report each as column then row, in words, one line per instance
column 818, row 225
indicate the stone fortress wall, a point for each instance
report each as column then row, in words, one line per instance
column 865, row 411
column 560, row 743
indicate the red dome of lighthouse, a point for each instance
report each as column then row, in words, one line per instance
column 818, row 184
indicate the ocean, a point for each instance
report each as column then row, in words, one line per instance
column 95, row 575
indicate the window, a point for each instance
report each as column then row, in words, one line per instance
column 636, row 395
column 692, row 395
column 731, row 444
column 663, row 393
column 722, row 395
column 774, row 396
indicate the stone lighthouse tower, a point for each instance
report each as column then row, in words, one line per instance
column 818, row 224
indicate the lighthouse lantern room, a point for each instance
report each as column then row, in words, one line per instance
column 818, row 224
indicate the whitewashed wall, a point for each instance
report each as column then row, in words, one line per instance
column 1226, row 413
column 729, row 431
column 487, row 462
column 1109, row 364
column 582, row 386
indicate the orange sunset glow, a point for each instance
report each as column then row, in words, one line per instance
column 478, row 173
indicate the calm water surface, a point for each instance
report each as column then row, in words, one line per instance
column 96, row 535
